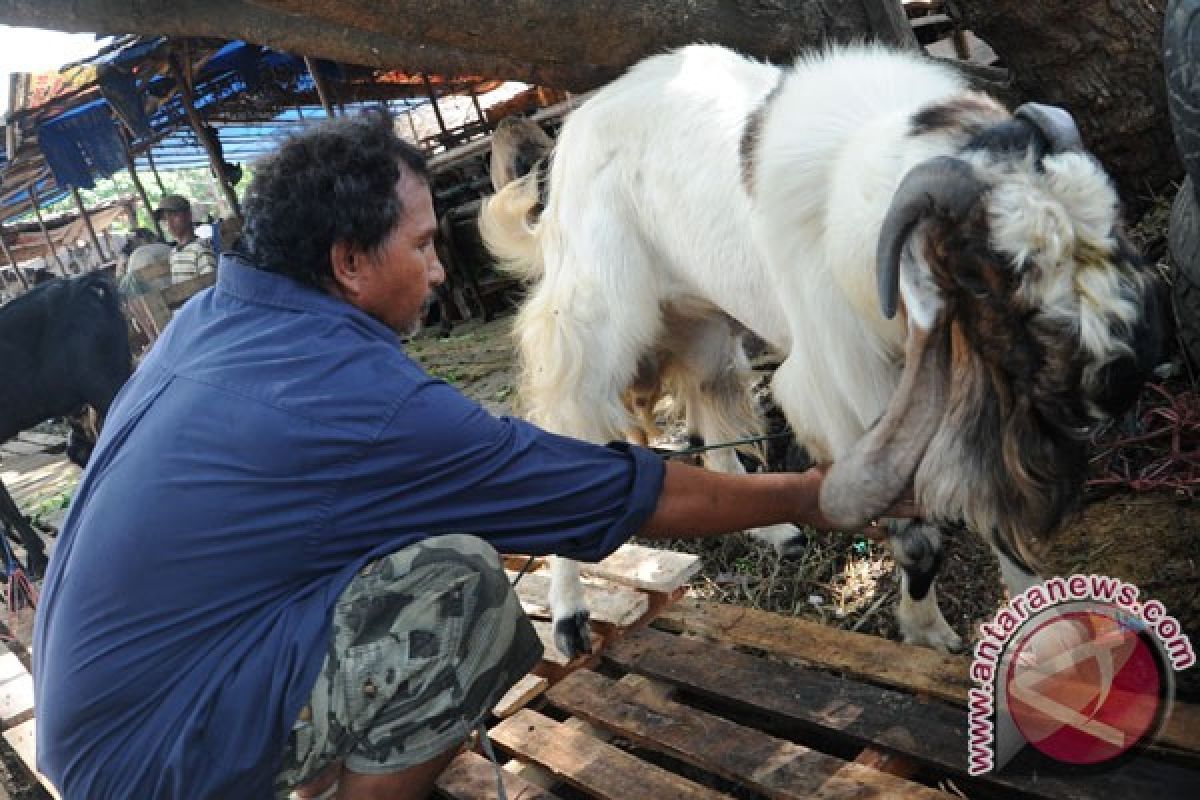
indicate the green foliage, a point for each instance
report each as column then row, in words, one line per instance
column 196, row 184
column 48, row 505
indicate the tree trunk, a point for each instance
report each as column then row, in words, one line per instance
column 574, row 46
column 1101, row 61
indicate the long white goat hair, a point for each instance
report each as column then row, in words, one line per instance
column 806, row 204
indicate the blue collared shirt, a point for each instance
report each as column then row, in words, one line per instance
column 274, row 441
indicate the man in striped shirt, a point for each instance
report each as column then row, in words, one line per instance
column 191, row 256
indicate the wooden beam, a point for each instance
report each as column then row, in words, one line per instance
column 914, row 669
column 322, row 87
column 890, row 24
column 437, row 112
column 8, row 255
column 137, row 184
column 87, row 223
column 154, row 170
column 843, row 712
column 479, row 110
column 37, row 212
column 472, row 777
column 636, row 710
column 601, row 770
column 214, row 158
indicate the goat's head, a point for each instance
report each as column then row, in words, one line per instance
column 1030, row 319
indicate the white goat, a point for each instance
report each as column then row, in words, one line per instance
column 704, row 191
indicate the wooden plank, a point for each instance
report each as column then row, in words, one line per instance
column 472, row 777
column 543, row 777
column 16, row 687
column 774, row 767
column 854, row 714
column 590, row 765
column 43, row 440
column 646, row 568
column 22, row 739
column 606, row 602
column 17, row 447
column 545, row 632
column 915, row 669
column 27, row 488
column 519, row 696
column 16, row 695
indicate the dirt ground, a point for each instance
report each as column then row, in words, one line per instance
column 1150, row 539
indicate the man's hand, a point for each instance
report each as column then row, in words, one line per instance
column 904, row 507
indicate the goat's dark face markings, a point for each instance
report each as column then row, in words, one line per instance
column 1048, row 338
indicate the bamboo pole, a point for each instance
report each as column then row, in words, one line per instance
column 8, row 255
column 437, row 112
column 487, row 128
column 87, row 223
column 154, row 170
column 214, row 158
column 322, row 87
column 37, row 212
column 141, row 190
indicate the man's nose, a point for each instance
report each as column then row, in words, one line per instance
column 437, row 273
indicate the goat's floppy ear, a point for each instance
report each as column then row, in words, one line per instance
column 1054, row 123
column 869, row 479
column 941, row 186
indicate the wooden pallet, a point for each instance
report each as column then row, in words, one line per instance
column 715, row 701
column 657, row 574
column 16, row 714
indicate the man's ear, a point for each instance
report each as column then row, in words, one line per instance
column 347, row 262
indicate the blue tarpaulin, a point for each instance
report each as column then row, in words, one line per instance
column 82, row 143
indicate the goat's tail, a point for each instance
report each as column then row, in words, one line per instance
column 508, row 226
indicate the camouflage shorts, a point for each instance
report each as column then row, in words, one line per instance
column 424, row 643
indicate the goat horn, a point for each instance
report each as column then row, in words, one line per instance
column 1054, row 123
column 945, row 186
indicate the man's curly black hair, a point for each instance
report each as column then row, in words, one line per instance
column 333, row 182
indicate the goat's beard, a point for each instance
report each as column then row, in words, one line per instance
column 1009, row 473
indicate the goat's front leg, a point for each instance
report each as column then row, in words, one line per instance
column 572, row 636
column 917, row 548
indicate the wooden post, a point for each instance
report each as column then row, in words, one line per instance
column 154, row 170
column 141, row 190
column 437, row 112
column 214, row 158
column 8, row 255
column 87, row 222
column 322, row 87
column 37, row 212
column 412, row 126
column 479, row 111
column 890, row 23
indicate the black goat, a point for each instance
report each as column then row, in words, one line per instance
column 63, row 345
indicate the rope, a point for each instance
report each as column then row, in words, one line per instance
column 524, row 569
column 704, row 448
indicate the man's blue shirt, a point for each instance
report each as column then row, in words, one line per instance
column 273, row 441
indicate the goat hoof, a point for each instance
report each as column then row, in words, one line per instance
column 793, row 547
column 572, row 636
column 944, row 641
column 788, row 540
